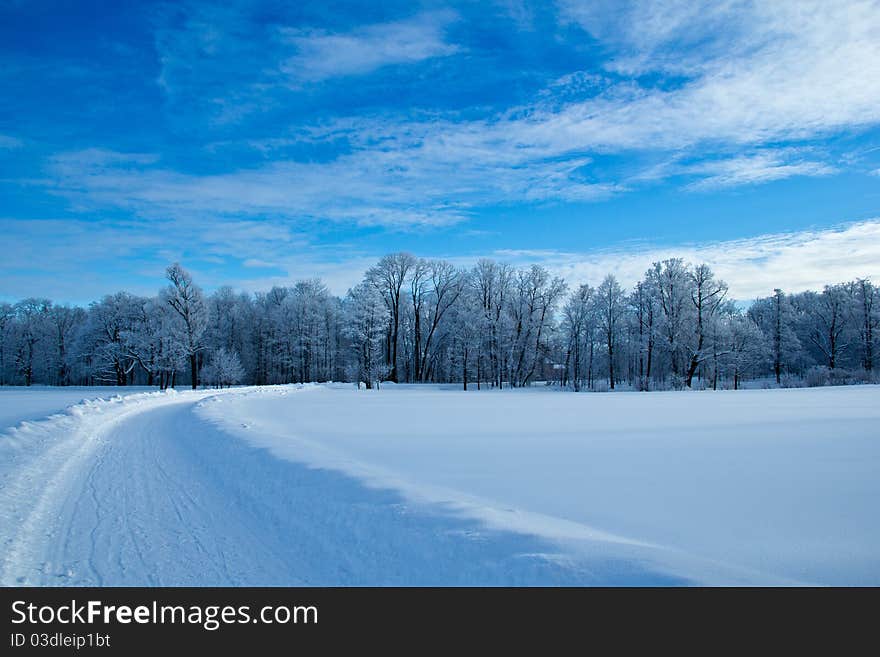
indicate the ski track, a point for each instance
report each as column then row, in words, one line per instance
column 140, row 491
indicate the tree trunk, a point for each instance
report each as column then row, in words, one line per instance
column 464, row 368
column 777, row 342
column 611, row 364
column 695, row 361
column 194, row 370
column 417, row 341
column 395, row 337
column 590, row 368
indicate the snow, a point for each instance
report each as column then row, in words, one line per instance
column 327, row 485
column 769, row 486
column 18, row 404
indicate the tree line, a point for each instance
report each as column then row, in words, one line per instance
column 419, row 320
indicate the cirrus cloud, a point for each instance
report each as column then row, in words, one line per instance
column 321, row 55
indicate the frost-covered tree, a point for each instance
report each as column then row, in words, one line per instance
column 7, row 317
column 152, row 341
column 643, row 307
column 775, row 317
column 465, row 321
column 492, row 283
column 673, row 284
column 579, row 327
column 389, row 277
column 532, row 306
column 707, row 295
column 104, row 343
column 827, row 322
column 188, row 303
column 746, row 347
column 610, row 308
column 444, row 289
column 366, row 320
column 311, row 311
column 495, row 324
column 31, row 315
column 224, row 369
column 63, row 322
column 867, row 313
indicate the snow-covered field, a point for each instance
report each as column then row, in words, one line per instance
column 329, row 485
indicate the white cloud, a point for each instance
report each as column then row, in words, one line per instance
column 54, row 257
column 339, row 275
column 321, row 55
column 750, row 74
column 752, row 267
column 750, row 167
column 519, row 11
column 756, row 168
column 257, row 263
column 87, row 159
column 753, row 71
column 431, row 185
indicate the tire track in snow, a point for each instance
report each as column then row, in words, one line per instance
column 120, row 502
column 44, row 490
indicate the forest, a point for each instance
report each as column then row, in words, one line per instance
column 415, row 320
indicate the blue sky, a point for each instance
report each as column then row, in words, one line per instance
column 261, row 142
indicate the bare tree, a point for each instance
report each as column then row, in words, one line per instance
column 745, row 347
column 63, row 321
column 31, row 315
column 869, row 320
column 827, row 315
column 577, row 324
column 446, row 285
column 465, row 318
column 7, row 322
column 643, row 303
column 388, row 277
column 492, row 282
column 105, row 337
column 186, row 299
column 775, row 317
column 672, row 282
column 610, row 305
column 707, row 294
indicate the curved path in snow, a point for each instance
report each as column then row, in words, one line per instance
column 141, row 491
column 99, row 506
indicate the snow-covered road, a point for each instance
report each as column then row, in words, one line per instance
column 312, row 485
column 88, row 499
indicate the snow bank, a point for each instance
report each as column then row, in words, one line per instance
column 58, row 424
column 19, row 403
